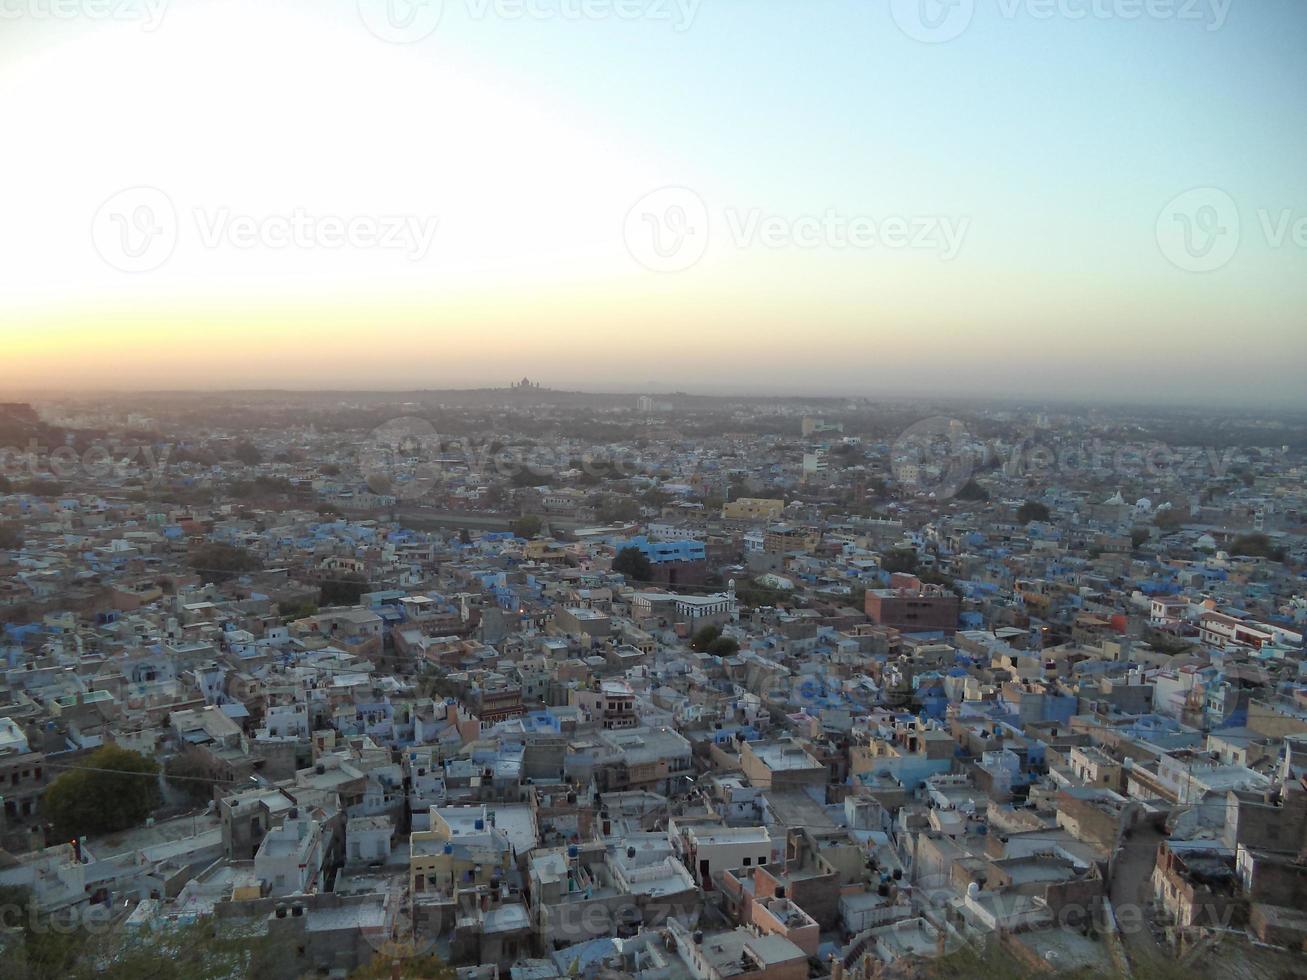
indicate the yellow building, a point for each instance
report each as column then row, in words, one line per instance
column 544, row 549
column 753, row 509
column 782, row 539
column 444, row 865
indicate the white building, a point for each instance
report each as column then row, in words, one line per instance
column 367, row 840
column 710, row 850
column 289, row 861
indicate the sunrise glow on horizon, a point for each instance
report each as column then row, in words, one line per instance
column 878, row 212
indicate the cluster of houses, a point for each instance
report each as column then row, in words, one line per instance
column 805, row 743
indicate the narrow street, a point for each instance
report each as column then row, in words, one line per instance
column 1131, row 891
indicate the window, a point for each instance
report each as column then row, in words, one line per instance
column 762, row 860
column 747, row 862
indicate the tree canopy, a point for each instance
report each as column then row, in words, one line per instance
column 11, row 536
column 899, row 560
column 710, row 640
column 972, row 491
column 617, row 508
column 527, row 526
column 38, row 947
column 632, row 563
column 1032, row 510
column 1256, row 546
column 343, row 589
column 113, row 789
column 220, row 562
column 191, row 773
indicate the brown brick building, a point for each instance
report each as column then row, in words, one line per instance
column 914, row 610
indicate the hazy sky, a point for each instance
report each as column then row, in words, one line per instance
column 1077, row 197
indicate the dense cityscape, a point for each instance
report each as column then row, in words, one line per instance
column 653, row 490
column 529, row 683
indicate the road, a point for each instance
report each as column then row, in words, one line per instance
column 1131, row 891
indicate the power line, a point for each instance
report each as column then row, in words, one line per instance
column 136, row 772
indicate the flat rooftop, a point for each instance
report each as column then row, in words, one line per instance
column 730, row 835
column 780, row 756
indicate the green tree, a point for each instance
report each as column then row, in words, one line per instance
column 247, row 453
column 113, row 789
column 1256, row 546
column 752, row 595
column 656, row 497
column 724, row 646
column 899, row 560
column 11, row 536
column 273, row 484
column 220, row 562
column 973, row 492
column 191, row 772
column 45, row 488
column 294, row 609
column 1166, row 643
column 1032, row 510
column 1171, row 518
column 17, row 613
column 527, row 526
column 705, row 638
column 932, row 577
column 344, row 590
column 617, row 509
column 45, row 949
column 632, row 563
